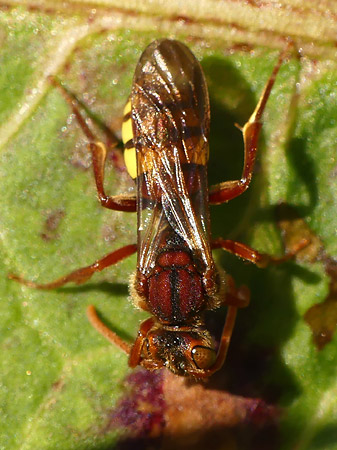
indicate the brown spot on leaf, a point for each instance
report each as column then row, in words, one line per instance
column 294, row 230
column 321, row 317
column 241, row 47
column 51, row 224
column 58, row 385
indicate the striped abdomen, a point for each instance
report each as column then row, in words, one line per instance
column 175, row 291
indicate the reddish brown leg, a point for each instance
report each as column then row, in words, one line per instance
column 235, row 298
column 228, row 190
column 136, row 350
column 238, row 297
column 249, row 254
column 83, row 274
column 125, row 203
column 133, row 351
column 105, row 331
column 224, row 342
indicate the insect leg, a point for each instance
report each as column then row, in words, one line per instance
column 239, row 297
column 235, row 298
column 83, row 274
column 224, row 344
column 249, row 254
column 225, row 338
column 134, row 351
column 125, row 203
column 110, row 335
column 228, row 190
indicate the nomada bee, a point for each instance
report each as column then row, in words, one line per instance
column 165, row 134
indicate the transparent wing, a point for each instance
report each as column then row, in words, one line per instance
column 170, row 114
column 169, row 206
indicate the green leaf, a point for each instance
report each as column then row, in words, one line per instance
column 59, row 378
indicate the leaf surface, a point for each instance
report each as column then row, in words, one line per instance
column 59, row 379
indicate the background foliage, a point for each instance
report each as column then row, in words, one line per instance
column 58, row 378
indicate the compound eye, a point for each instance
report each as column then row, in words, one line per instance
column 203, row 357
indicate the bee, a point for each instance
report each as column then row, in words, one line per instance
column 165, row 134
